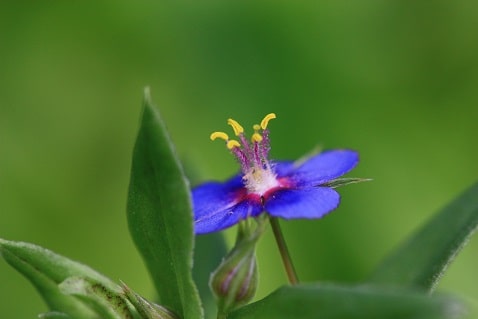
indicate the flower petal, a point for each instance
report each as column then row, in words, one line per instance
column 283, row 168
column 220, row 205
column 218, row 220
column 313, row 202
column 216, row 194
column 324, row 167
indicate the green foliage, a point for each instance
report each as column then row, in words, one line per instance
column 338, row 302
column 147, row 309
column 160, row 219
column 50, row 273
column 160, row 216
column 108, row 303
column 423, row 258
column 395, row 80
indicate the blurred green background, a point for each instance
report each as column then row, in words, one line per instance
column 396, row 80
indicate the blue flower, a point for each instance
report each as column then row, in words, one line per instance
column 281, row 188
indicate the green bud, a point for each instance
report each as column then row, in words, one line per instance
column 146, row 308
column 234, row 282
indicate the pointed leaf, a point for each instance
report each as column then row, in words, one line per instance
column 423, row 258
column 46, row 270
column 338, row 182
column 160, row 215
column 146, row 308
column 338, row 302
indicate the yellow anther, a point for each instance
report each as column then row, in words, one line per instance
column 220, row 135
column 256, row 137
column 238, row 129
column 232, row 143
column 266, row 120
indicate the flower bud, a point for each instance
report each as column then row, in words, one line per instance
column 234, row 282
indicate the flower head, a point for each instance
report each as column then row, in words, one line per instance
column 281, row 188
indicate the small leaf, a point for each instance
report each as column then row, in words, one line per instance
column 160, row 215
column 46, row 270
column 338, row 182
column 422, row 259
column 339, row 302
column 146, row 308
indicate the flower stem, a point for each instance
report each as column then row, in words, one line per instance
column 284, row 252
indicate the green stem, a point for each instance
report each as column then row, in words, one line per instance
column 284, row 252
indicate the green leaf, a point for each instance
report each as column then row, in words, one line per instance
column 160, row 215
column 108, row 303
column 46, row 270
column 338, row 182
column 422, row 259
column 339, row 302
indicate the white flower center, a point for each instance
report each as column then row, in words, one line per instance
column 259, row 181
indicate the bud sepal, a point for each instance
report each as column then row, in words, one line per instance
column 234, row 282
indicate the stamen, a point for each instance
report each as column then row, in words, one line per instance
column 265, row 145
column 266, row 120
column 232, row 144
column 241, row 158
column 251, row 154
column 257, row 158
column 256, row 137
column 238, row 129
column 220, row 135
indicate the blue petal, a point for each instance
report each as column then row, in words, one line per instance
column 221, row 219
column 324, row 167
column 216, row 194
column 220, row 205
column 313, row 202
column 283, row 168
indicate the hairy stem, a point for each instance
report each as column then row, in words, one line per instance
column 284, row 252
